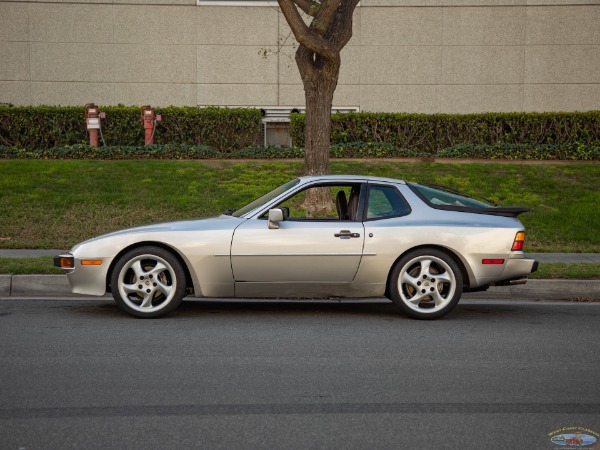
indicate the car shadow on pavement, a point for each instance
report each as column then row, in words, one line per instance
column 287, row 307
column 237, row 308
column 380, row 308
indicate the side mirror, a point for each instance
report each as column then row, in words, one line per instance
column 275, row 216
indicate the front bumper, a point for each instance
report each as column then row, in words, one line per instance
column 86, row 276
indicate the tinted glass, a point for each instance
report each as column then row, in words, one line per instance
column 265, row 198
column 385, row 202
column 331, row 206
column 444, row 198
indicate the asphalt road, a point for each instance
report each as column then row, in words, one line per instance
column 233, row 375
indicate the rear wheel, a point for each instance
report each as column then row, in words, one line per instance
column 148, row 282
column 426, row 284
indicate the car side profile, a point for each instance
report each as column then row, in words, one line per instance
column 420, row 246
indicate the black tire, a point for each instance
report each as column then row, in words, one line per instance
column 148, row 282
column 426, row 284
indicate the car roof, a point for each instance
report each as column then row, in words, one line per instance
column 357, row 178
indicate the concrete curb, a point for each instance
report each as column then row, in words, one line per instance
column 58, row 286
column 543, row 289
column 5, row 285
column 35, row 286
column 541, row 257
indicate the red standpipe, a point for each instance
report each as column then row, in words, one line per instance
column 92, row 120
column 94, row 138
column 148, row 123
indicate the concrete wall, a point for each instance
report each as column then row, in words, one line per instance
column 424, row 56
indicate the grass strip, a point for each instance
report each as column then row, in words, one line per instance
column 575, row 271
column 55, row 204
column 28, row 266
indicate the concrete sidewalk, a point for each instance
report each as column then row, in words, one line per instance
column 565, row 257
column 58, row 285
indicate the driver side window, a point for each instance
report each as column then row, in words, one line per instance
column 333, row 202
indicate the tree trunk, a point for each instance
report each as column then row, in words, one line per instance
column 319, row 101
column 320, row 80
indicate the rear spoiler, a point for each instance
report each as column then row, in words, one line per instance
column 506, row 211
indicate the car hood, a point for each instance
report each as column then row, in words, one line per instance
column 212, row 223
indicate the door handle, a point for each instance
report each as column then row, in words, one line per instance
column 345, row 234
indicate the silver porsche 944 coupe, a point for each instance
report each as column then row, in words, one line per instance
column 419, row 245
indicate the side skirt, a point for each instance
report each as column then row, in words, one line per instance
column 308, row 290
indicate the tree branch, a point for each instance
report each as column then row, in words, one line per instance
column 303, row 33
column 325, row 16
column 340, row 31
column 308, row 6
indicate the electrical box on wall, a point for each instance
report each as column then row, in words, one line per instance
column 277, row 134
column 275, row 128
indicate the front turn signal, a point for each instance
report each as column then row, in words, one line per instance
column 64, row 262
column 519, row 242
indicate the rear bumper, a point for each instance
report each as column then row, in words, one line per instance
column 516, row 272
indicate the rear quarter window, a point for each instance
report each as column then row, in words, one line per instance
column 438, row 197
column 385, row 202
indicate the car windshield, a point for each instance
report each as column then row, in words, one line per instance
column 265, row 198
column 441, row 197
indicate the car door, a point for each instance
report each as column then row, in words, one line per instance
column 301, row 250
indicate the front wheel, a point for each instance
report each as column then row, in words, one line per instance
column 148, row 282
column 426, row 284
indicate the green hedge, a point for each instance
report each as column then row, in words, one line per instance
column 574, row 152
column 44, row 127
column 191, row 132
column 431, row 133
column 168, row 151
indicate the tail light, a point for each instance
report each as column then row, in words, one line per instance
column 519, row 242
column 492, row 261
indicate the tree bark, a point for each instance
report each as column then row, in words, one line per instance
column 319, row 100
column 319, row 87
